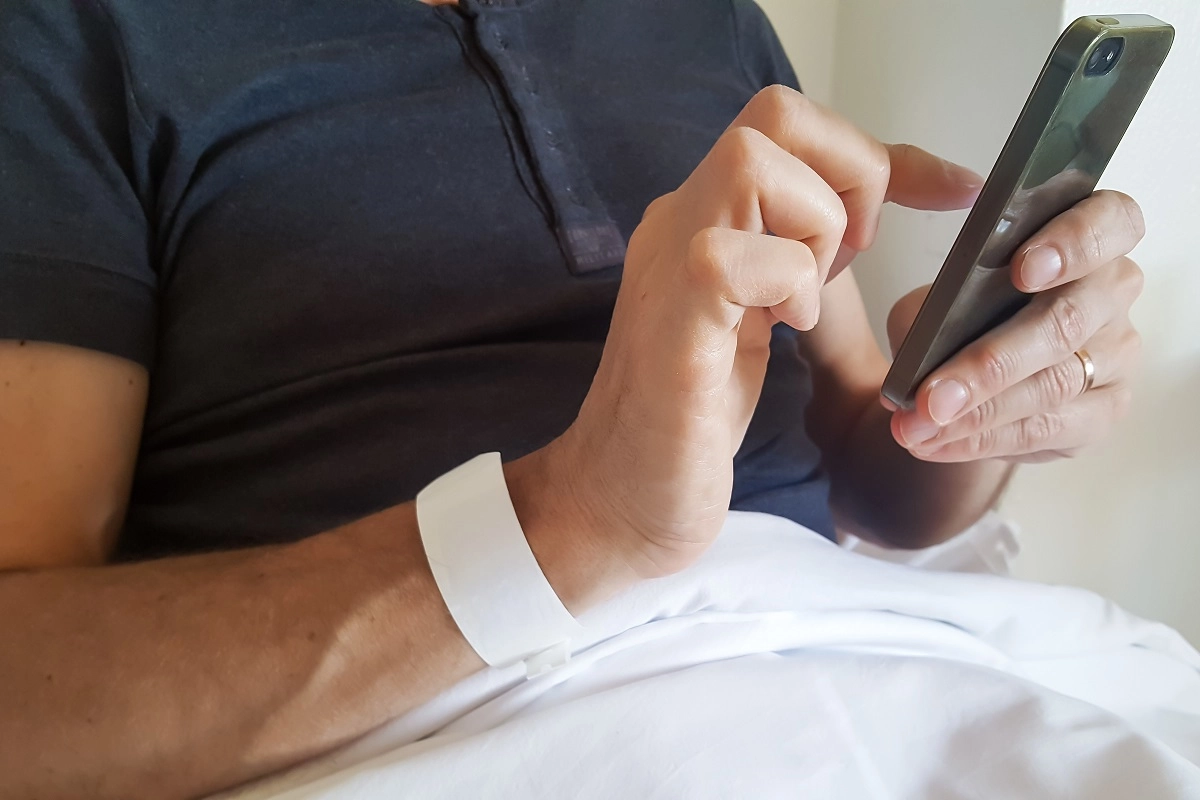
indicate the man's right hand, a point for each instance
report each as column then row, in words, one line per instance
column 784, row 200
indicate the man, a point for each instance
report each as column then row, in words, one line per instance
column 267, row 269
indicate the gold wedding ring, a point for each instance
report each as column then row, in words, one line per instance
column 1089, row 369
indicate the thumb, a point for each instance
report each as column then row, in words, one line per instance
column 902, row 315
column 921, row 180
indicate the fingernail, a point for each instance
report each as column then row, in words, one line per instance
column 918, row 429
column 946, row 400
column 1041, row 265
column 970, row 178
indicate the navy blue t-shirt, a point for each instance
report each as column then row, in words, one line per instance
column 357, row 242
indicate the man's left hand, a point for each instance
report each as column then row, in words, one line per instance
column 1017, row 392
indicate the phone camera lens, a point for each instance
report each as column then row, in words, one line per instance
column 1105, row 57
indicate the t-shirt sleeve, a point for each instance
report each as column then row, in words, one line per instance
column 762, row 55
column 75, row 244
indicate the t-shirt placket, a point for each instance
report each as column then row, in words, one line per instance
column 589, row 238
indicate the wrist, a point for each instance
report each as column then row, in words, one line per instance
column 578, row 557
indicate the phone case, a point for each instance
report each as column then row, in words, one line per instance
column 1068, row 131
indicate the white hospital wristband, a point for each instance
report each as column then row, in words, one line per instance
column 496, row 592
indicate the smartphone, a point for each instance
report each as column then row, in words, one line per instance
column 1083, row 102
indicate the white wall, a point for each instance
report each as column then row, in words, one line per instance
column 949, row 75
column 1139, row 541
column 806, row 27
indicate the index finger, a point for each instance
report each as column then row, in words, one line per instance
column 1096, row 231
column 864, row 172
column 927, row 182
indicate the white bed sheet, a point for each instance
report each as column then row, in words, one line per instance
column 783, row 666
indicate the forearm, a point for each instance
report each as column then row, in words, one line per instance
column 183, row 676
column 881, row 492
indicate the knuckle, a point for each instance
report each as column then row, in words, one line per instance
column 981, row 444
column 805, row 277
column 837, row 218
column 1134, row 217
column 801, row 291
column 1093, row 239
column 877, row 182
column 998, row 367
column 658, row 206
column 1060, row 384
column 1067, row 323
column 879, row 167
column 776, row 98
column 742, row 150
column 1083, row 240
column 781, row 112
column 707, row 260
column 981, row 417
column 776, row 107
column 798, row 311
column 873, row 170
column 739, row 142
column 1037, row 431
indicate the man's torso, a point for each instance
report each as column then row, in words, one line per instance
column 386, row 237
